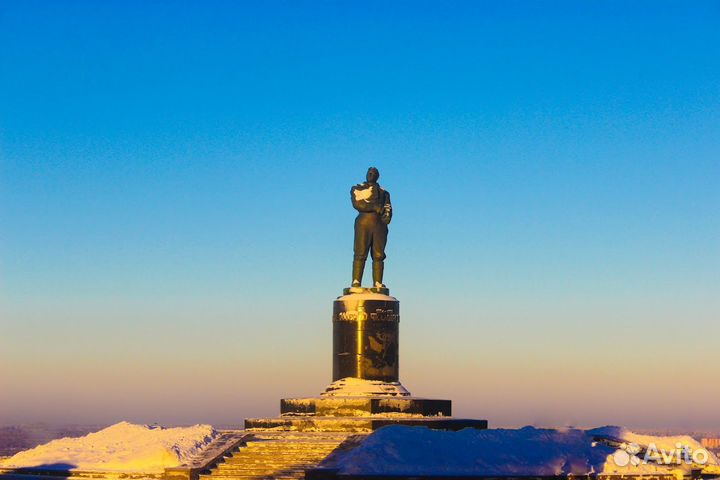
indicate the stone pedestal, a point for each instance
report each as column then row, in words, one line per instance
column 366, row 393
column 365, row 337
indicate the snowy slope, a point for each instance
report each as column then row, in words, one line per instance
column 400, row 450
column 123, row 447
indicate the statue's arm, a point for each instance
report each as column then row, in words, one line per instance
column 387, row 209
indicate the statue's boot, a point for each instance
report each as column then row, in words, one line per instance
column 378, row 268
column 357, row 273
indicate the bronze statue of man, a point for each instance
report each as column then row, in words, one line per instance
column 371, row 226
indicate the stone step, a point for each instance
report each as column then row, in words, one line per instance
column 364, row 406
column 267, row 460
column 283, row 449
column 258, row 473
column 365, row 424
column 289, row 435
column 264, row 470
column 253, row 442
column 282, row 455
column 281, row 452
column 275, row 473
column 294, row 435
column 285, row 453
column 247, row 468
column 277, row 465
column 290, row 446
column 269, row 464
column 256, row 477
column 270, row 459
column 254, row 466
column 274, row 459
column 275, row 468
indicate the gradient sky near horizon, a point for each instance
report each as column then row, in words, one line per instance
column 175, row 217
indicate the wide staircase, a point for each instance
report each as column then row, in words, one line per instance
column 280, row 455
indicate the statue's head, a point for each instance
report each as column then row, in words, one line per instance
column 372, row 175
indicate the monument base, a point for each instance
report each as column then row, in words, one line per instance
column 359, row 424
column 347, row 406
column 366, row 393
column 364, row 406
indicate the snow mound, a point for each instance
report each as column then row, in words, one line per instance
column 123, row 447
column 667, row 443
column 412, row 451
column 400, row 450
column 357, row 387
column 633, row 448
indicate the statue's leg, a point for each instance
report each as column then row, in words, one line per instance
column 378, row 253
column 357, row 272
column 378, row 269
column 363, row 239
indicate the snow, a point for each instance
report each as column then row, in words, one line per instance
column 402, row 450
column 393, row 450
column 357, row 387
column 669, row 444
column 123, row 447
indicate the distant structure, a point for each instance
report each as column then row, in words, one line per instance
column 712, row 444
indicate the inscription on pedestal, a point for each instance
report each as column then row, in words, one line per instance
column 379, row 315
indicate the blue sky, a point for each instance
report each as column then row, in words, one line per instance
column 174, row 199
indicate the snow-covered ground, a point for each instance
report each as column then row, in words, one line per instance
column 669, row 446
column 394, row 450
column 123, row 447
column 400, row 450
